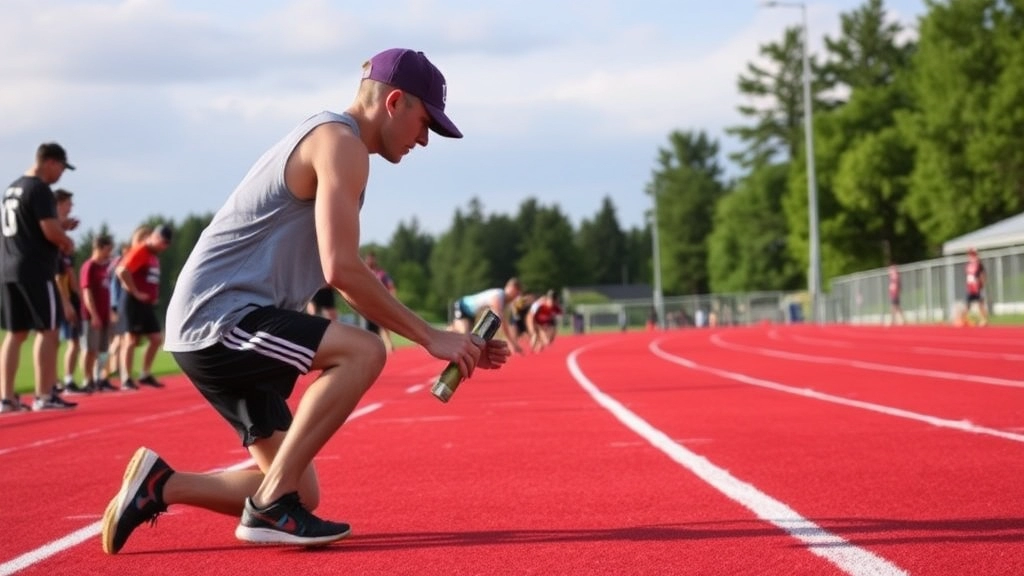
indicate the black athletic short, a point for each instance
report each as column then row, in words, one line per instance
column 72, row 331
column 324, row 298
column 138, row 317
column 28, row 306
column 973, row 297
column 251, row 372
column 372, row 327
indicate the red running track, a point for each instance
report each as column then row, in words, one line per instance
column 768, row 450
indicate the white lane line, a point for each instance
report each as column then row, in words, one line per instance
column 968, row 354
column 415, row 388
column 93, row 431
column 961, row 425
column 833, row 548
column 898, row 333
column 82, row 534
column 882, row 344
column 717, row 340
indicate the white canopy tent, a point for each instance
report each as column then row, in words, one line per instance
column 1009, row 232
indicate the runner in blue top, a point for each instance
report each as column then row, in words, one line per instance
column 466, row 309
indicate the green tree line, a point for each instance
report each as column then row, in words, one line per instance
column 919, row 137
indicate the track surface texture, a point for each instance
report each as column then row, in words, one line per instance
column 764, row 450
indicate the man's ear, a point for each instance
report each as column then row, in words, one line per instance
column 392, row 101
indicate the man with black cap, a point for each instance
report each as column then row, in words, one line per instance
column 236, row 325
column 139, row 274
column 30, row 244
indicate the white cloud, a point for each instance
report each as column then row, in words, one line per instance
column 164, row 103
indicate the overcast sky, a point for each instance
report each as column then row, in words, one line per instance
column 164, row 104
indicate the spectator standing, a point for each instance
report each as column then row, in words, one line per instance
column 32, row 238
column 69, row 322
column 112, row 364
column 975, row 278
column 139, row 273
column 96, row 321
column 895, row 288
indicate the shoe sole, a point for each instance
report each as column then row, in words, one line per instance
column 138, row 467
column 269, row 536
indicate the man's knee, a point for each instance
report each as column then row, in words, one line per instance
column 347, row 345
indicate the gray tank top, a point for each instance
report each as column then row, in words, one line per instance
column 259, row 250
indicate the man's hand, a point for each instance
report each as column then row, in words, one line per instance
column 468, row 351
column 70, row 314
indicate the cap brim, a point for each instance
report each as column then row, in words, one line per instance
column 442, row 124
column 69, row 166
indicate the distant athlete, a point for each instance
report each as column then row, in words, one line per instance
column 895, row 288
column 466, row 309
column 517, row 313
column 542, row 320
column 975, row 276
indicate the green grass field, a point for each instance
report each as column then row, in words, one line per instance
column 24, row 382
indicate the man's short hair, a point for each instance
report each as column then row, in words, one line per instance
column 102, row 241
column 62, row 195
column 164, row 232
column 53, row 151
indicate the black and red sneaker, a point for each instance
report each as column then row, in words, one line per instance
column 286, row 521
column 139, row 500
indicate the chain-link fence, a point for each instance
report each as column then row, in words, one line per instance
column 930, row 290
column 683, row 311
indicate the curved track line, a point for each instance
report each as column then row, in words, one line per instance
column 921, row 350
column 717, row 340
column 960, row 425
column 835, row 549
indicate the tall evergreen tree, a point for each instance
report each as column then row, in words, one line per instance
column 550, row 258
column 773, row 93
column 687, row 184
column 602, row 245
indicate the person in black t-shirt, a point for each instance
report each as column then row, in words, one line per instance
column 31, row 240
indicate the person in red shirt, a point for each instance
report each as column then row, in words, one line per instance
column 139, row 273
column 975, row 272
column 95, row 289
column 894, row 295
column 541, row 321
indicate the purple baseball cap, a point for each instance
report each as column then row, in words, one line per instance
column 410, row 71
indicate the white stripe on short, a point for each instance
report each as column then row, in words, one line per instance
column 271, row 346
column 51, row 293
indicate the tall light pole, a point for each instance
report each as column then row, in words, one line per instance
column 659, row 301
column 814, row 271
